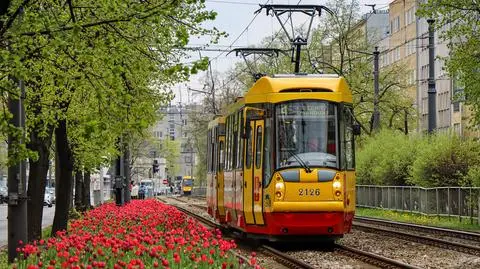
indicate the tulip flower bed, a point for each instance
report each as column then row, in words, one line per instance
column 141, row 234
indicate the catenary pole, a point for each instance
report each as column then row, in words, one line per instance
column 17, row 191
column 432, row 92
column 376, row 112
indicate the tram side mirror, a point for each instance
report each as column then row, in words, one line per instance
column 356, row 129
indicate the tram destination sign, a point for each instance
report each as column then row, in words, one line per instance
column 305, row 109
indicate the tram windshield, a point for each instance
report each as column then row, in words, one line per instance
column 307, row 134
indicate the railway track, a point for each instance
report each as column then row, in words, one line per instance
column 393, row 228
column 291, row 262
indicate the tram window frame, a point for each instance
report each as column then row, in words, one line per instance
column 258, row 147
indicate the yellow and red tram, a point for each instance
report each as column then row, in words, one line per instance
column 281, row 160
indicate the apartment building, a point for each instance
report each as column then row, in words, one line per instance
column 174, row 126
column 407, row 43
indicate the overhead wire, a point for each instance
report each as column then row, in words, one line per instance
column 268, row 46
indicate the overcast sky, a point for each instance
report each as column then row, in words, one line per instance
column 233, row 17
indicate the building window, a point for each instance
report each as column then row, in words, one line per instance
column 395, row 25
column 410, row 16
column 184, row 134
column 184, row 121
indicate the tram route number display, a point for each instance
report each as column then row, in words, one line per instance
column 308, row 192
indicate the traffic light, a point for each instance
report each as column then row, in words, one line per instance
column 155, row 166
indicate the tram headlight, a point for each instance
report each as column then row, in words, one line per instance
column 279, row 189
column 337, row 184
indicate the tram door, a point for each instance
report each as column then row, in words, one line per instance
column 252, row 178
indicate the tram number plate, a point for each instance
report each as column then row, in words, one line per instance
column 308, row 192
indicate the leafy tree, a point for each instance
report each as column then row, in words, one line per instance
column 338, row 46
column 117, row 54
column 463, row 40
column 445, row 160
column 385, row 158
column 170, row 150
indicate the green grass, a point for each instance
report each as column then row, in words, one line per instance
column 444, row 222
column 3, row 259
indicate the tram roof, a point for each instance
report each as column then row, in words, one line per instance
column 299, row 86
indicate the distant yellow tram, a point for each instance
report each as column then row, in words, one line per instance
column 281, row 160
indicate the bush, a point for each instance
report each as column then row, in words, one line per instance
column 392, row 158
column 384, row 158
column 444, row 160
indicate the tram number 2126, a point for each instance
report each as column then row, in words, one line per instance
column 308, row 192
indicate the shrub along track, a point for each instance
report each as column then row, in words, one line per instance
column 465, row 242
column 289, row 261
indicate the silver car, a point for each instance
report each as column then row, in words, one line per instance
column 48, row 200
column 3, row 194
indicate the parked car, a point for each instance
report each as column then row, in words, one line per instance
column 47, row 200
column 3, row 194
column 51, row 191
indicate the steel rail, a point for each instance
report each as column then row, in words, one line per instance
column 371, row 258
column 422, row 228
column 468, row 249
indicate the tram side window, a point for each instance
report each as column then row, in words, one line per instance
column 227, row 142
column 208, row 151
column 234, row 142
column 249, row 153
column 240, row 140
column 349, row 137
column 267, row 152
column 221, row 158
column 258, row 148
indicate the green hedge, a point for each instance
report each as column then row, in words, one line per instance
column 392, row 158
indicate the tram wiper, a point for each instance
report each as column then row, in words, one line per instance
column 299, row 160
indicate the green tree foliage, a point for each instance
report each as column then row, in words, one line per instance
column 385, row 158
column 170, row 150
column 93, row 70
column 463, row 39
column 443, row 159
column 339, row 46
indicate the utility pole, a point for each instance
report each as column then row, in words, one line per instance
column 432, row 92
column 126, row 172
column 17, row 191
column 376, row 112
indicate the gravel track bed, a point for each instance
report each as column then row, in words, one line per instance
column 325, row 259
column 409, row 252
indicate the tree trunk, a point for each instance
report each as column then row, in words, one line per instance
column 79, row 190
column 86, row 190
column 37, row 181
column 65, row 182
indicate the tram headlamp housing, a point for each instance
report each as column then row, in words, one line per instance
column 279, row 190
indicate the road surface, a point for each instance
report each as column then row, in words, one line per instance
column 48, row 213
